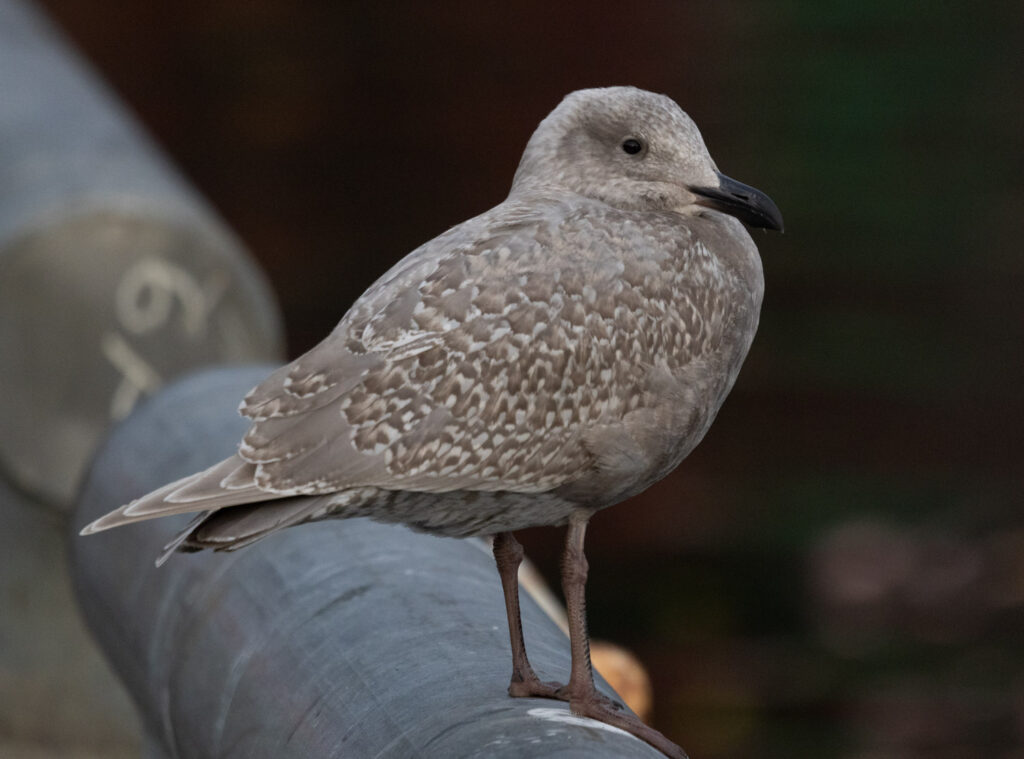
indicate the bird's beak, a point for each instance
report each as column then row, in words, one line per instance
column 748, row 205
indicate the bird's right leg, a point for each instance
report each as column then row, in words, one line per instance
column 508, row 554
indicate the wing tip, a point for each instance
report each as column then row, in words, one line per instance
column 105, row 522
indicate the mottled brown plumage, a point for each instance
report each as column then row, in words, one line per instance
column 546, row 359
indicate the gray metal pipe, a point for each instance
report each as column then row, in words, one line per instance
column 114, row 275
column 345, row 638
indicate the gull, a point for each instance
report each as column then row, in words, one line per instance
column 531, row 366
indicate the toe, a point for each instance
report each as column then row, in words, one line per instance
column 536, row 688
column 603, row 709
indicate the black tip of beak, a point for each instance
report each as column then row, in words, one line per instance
column 750, row 206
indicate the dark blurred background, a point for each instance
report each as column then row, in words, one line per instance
column 838, row 571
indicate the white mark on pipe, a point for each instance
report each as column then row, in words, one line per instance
column 568, row 718
column 137, row 376
column 146, row 293
column 144, row 302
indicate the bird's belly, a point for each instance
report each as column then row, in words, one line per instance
column 464, row 513
column 689, row 412
column 633, row 451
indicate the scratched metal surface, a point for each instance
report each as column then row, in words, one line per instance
column 114, row 274
column 345, row 638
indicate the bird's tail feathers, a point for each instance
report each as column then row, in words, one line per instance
column 229, row 483
column 234, row 528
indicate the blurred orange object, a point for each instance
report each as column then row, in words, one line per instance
column 626, row 674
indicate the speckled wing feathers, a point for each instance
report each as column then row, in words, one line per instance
column 443, row 359
column 501, row 351
column 513, row 354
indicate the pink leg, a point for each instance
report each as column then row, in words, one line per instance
column 584, row 698
column 508, row 555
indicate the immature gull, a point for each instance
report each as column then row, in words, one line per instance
column 531, row 366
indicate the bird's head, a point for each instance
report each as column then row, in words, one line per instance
column 634, row 150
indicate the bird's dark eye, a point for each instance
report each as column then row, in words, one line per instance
column 632, row 146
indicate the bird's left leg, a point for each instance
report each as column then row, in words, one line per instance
column 584, row 698
column 508, row 555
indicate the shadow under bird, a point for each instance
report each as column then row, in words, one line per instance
column 533, row 365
